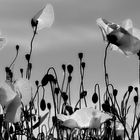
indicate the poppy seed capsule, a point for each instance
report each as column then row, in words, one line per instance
column 80, row 55
column 64, row 67
column 70, row 68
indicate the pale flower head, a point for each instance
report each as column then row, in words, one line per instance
column 24, row 88
column 84, row 118
column 7, row 93
column 13, row 110
column 44, row 18
column 123, row 38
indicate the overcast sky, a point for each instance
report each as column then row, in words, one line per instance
column 74, row 30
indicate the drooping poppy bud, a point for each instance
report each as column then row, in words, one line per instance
column 70, row 68
column 115, row 92
column 130, row 89
column 43, row 104
column 135, row 99
column 64, row 67
column 49, row 106
column 95, row 98
column 27, row 56
column 47, row 78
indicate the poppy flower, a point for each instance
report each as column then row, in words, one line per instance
column 43, row 18
column 24, row 88
column 83, row 118
column 13, row 110
column 7, row 93
column 122, row 39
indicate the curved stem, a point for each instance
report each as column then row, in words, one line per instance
column 14, row 60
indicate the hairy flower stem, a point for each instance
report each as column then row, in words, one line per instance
column 107, row 94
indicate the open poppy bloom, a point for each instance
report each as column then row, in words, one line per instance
column 11, row 96
column 13, row 110
column 24, row 88
column 84, row 118
column 44, row 18
column 7, row 93
column 126, row 39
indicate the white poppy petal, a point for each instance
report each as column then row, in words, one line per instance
column 84, row 118
column 24, row 88
column 13, row 110
column 6, row 94
column 128, row 25
column 45, row 17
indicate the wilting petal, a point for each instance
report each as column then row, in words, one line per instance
column 125, row 41
column 24, row 88
column 6, row 94
column 70, row 123
column 84, row 118
column 44, row 17
column 13, row 110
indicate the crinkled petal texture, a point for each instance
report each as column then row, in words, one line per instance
column 45, row 17
column 84, row 118
column 7, row 94
column 24, row 88
column 123, row 39
column 13, row 110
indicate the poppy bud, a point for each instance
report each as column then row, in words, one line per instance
column 80, row 55
column 64, row 96
column 47, row 78
column 56, row 91
column 64, row 67
column 17, row 47
column 49, row 106
column 106, row 106
column 136, row 89
column 83, row 94
column 69, row 109
column 115, row 92
column 69, row 79
column 95, row 98
column 83, row 64
column 136, row 99
column 43, row 105
column 70, row 69
column 27, row 56
column 130, row 89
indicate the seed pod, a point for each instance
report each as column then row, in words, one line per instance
column 43, row 104
column 95, row 98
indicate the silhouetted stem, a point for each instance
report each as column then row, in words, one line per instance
column 14, row 60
